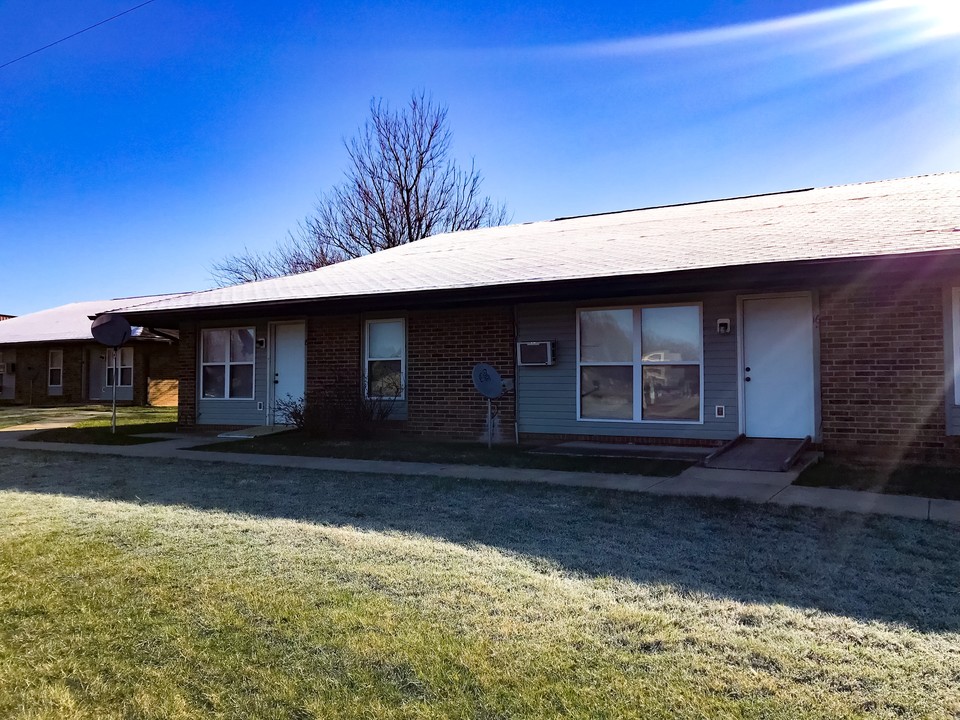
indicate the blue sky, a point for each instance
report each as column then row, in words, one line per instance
column 135, row 155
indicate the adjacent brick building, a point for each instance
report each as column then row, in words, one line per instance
column 50, row 358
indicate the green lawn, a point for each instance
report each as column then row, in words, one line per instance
column 194, row 590
column 296, row 442
column 933, row 481
column 131, row 421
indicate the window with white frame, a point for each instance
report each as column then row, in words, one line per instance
column 227, row 358
column 55, row 369
column 640, row 364
column 384, row 344
column 956, row 345
column 125, row 374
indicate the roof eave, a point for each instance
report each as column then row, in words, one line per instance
column 744, row 277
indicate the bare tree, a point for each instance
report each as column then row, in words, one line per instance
column 401, row 185
column 247, row 266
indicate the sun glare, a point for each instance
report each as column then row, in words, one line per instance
column 943, row 15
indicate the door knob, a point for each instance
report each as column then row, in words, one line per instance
column 747, row 379
column 746, row 369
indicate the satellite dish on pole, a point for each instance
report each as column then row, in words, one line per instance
column 487, row 381
column 111, row 330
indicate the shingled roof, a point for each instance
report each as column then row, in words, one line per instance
column 65, row 323
column 892, row 217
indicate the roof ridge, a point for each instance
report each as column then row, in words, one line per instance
column 889, row 180
column 750, row 196
column 683, row 204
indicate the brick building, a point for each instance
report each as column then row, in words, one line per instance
column 50, row 358
column 830, row 314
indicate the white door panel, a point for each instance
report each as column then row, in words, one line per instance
column 778, row 369
column 289, row 361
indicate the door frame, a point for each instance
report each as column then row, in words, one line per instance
column 815, row 319
column 272, row 361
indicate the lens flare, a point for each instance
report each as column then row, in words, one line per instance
column 943, row 15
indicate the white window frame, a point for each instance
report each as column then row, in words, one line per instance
column 227, row 365
column 51, row 367
column 367, row 358
column 955, row 314
column 638, row 364
column 108, row 367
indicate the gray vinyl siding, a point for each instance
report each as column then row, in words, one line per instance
column 547, row 396
column 97, row 389
column 951, row 409
column 236, row 412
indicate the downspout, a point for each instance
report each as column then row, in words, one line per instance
column 84, row 352
column 516, row 378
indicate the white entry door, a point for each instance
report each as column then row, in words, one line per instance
column 778, row 370
column 289, row 362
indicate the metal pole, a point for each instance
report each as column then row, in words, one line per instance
column 113, row 421
column 489, row 425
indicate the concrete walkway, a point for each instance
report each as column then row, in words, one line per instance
column 52, row 421
column 752, row 486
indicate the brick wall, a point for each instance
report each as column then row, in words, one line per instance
column 333, row 352
column 32, row 377
column 442, row 348
column 882, row 372
column 187, row 389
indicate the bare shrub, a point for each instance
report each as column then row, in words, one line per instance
column 339, row 409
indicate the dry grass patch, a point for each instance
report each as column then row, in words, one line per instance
column 204, row 590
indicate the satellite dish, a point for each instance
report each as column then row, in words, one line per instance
column 111, row 330
column 487, row 381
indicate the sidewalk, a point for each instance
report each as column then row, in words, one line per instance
column 758, row 487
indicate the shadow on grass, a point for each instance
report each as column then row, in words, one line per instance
column 868, row 567
column 295, row 442
column 934, row 481
column 99, row 435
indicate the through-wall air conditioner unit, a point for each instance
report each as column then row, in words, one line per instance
column 540, row 352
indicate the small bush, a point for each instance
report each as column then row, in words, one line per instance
column 339, row 410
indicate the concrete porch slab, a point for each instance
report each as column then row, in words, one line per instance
column 945, row 510
column 254, row 432
column 856, row 501
column 757, row 454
